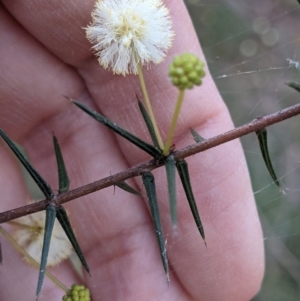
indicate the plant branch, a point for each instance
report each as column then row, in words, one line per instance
column 253, row 126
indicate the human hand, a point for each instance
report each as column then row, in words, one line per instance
column 44, row 55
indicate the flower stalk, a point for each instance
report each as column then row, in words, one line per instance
column 31, row 259
column 148, row 103
column 173, row 123
column 185, row 72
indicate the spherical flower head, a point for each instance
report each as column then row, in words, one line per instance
column 186, row 71
column 29, row 234
column 125, row 32
column 77, row 293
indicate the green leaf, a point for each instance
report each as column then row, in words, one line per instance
column 63, row 178
column 263, row 144
column 196, row 136
column 294, row 86
column 149, row 124
column 182, row 168
column 42, row 184
column 149, row 183
column 170, row 165
column 123, row 185
column 63, row 219
column 150, row 149
column 49, row 224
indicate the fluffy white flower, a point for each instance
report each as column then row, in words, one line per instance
column 123, row 29
column 29, row 234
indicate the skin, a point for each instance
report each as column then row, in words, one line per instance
column 44, row 55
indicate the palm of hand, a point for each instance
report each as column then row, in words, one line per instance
column 47, row 57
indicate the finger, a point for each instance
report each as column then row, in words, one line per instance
column 224, row 192
column 22, row 59
column 71, row 39
column 58, row 25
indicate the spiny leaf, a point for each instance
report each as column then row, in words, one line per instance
column 196, row 136
column 123, row 185
column 170, row 165
column 63, row 219
column 263, row 144
column 182, row 168
column 42, row 184
column 294, row 86
column 49, row 224
column 150, row 149
column 149, row 183
column 63, row 178
column 149, row 124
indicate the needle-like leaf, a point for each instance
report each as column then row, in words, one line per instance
column 148, row 148
column 149, row 183
column 293, row 85
column 49, row 224
column 63, row 178
column 182, row 168
column 263, row 144
column 149, row 124
column 42, row 184
column 123, row 185
column 196, row 136
column 170, row 165
column 63, row 219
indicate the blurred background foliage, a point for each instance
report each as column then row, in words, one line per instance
column 247, row 45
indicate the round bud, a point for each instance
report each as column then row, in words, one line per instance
column 77, row 293
column 186, row 71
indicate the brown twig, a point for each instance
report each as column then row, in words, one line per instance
column 253, row 126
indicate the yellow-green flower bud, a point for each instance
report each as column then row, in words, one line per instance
column 186, row 71
column 77, row 293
